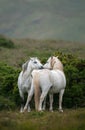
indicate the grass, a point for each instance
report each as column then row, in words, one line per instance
column 25, row 48
column 69, row 120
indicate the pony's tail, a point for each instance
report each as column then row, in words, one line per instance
column 37, row 92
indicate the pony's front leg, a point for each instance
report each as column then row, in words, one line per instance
column 28, row 107
column 22, row 101
column 60, row 100
column 51, row 102
column 29, row 99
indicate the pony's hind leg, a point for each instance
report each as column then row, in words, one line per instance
column 42, row 98
column 60, row 100
column 51, row 102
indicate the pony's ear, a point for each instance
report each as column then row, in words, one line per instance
column 31, row 58
column 37, row 58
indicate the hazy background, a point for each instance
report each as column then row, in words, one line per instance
column 43, row 19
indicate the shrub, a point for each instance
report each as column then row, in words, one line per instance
column 75, row 76
column 6, row 103
column 8, row 82
column 74, row 95
column 4, row 42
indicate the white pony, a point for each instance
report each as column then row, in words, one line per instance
column 24, row 79
column 52, row 80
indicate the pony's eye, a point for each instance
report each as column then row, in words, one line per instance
column 35, row 62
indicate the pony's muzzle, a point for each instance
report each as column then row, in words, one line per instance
column 41, row 67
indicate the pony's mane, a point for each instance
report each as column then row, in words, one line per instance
column 56, row 63
column 24, row 66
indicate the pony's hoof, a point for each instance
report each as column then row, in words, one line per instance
column 43, row 109
column 60, row 110
column 25, row 109
column 40, row 110
column 50, row 110
column 21, row 110
column 29, row 110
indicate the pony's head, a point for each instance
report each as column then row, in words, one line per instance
column 53, row 63
column 33, row 63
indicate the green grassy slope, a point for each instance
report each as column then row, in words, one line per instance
column 25, row 48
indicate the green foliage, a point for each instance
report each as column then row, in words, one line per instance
column 6, row 103
column 75, row 76
column 8, row 83
column 6, row 43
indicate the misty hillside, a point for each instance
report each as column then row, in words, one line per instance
column 43, row 19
